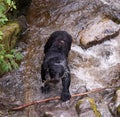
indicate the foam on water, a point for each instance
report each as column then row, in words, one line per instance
column 105, row 54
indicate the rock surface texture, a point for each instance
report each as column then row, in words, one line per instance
column 100, row 31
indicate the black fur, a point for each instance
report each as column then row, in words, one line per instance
column 55, row 62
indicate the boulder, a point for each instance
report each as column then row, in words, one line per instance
column 98, row 32
column 87, row 108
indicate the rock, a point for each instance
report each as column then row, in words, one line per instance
column 118, row 102
column 23, row 23
column 118, row 98
column 22, row 6
column 114, row 105
column 111, row 76
column 48, row 114
column 98, row 32
column 1, row 113
column 10, row 34
column 111, row 8
column 118, row 111
column 87, row 108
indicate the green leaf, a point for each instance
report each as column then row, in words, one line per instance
column 5, row 67
column 14, row 64
column 9, row 56
column 1, row 48
column 3, row 19
column 9, row 66
column 1, row 38
column 8, row 2
column 1, row 34
column 13, row 51
column 2, row 8
column 1, row 57
column 18, row 56
column 13, row 5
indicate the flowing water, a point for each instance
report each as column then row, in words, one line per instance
column 95, row 67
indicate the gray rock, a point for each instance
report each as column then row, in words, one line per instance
column 111, row 8
column 87, row 108
column 118, row 98
column 98, row 32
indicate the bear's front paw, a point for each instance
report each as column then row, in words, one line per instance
column 45, row 89
column 65, row 96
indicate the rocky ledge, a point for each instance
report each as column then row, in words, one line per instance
column 98, row 32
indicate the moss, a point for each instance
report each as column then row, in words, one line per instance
column 118, row 109
column 10, row 33
column 118, row 100
column 77, row 106
column 94, row 107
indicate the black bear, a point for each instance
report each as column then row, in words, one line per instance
column 55, row 65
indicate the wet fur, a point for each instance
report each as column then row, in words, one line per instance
column 55, row 65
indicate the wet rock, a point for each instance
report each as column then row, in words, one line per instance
column 23, row 23
column 66, row 114
column 98, row 32
column 1, row 113
column 112, row 76
column 111, row 8
column 79, row 59
column 87, row 108
column 118, row 98
column 10, row 34
column 22, row 5
column 59, row 114
column 48, row 114
column 118, row 102
column 114, row 104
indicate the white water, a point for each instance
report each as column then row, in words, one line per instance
column 91, row 73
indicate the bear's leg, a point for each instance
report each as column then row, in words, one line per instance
column 45, row 88
column 65, row 95
column 43, row 73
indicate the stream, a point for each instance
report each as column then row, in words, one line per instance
column 94, row 67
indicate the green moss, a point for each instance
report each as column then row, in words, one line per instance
column 117, row 94
column 118, row 109
column 77, row 106
column 9, row 56
column 94, row 107
column 10, row 32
